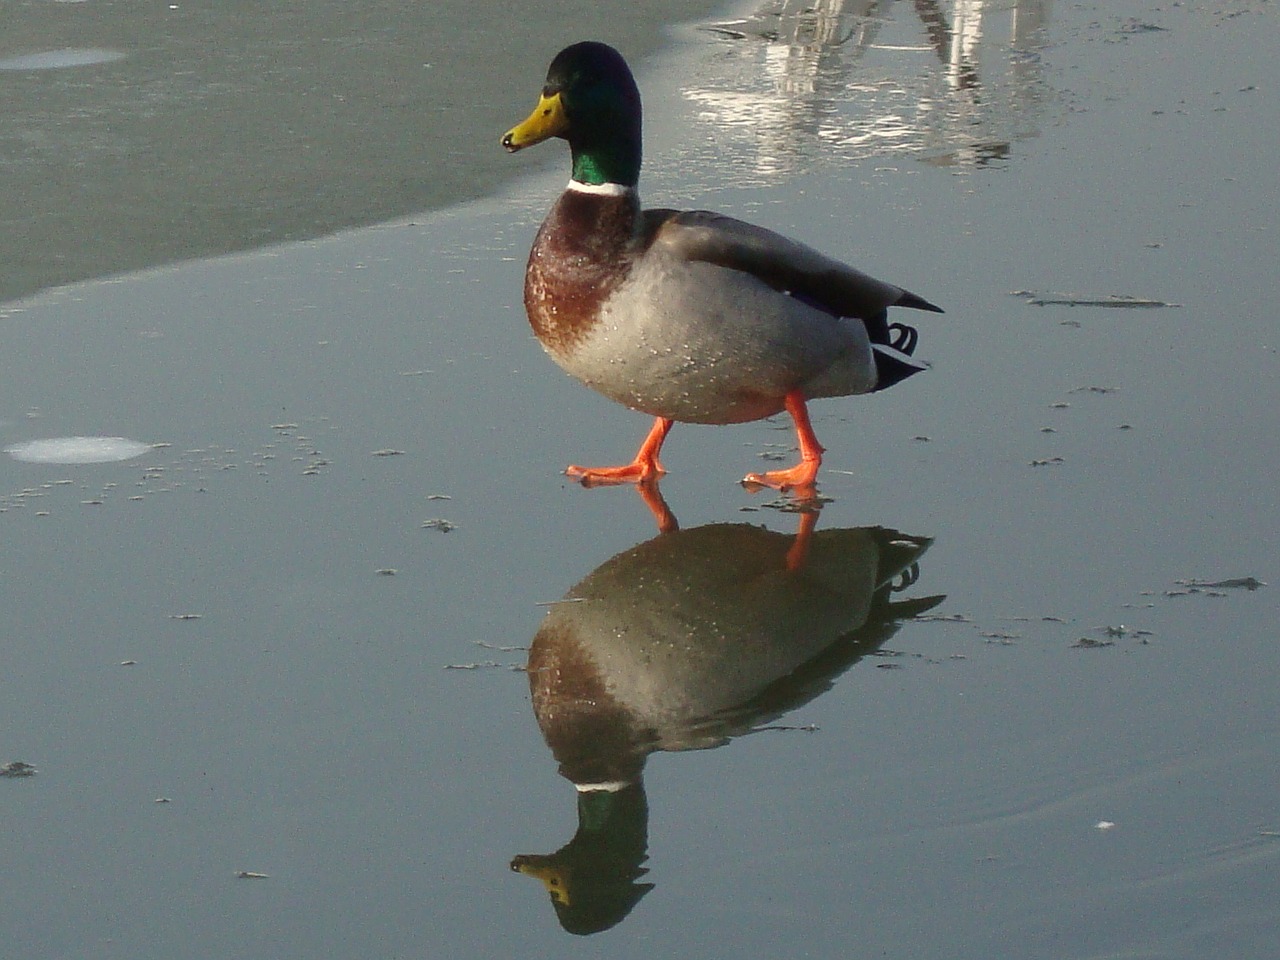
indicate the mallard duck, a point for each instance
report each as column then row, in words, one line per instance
column 688, row 315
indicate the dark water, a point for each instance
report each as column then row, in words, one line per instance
column 1031, row 609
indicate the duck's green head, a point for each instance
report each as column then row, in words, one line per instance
column 591, row 100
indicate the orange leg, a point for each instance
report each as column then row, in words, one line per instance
column 805, row 472
column 644, row 467
column 798, row 555
column 657, row 504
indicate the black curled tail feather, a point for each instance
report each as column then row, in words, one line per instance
column 903, row 338
column 894, row 362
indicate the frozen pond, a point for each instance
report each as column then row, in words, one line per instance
column 1018, row 699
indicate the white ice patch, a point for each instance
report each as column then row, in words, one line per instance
column 61, row 59
column 77, row 450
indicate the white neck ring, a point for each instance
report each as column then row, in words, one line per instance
column 602, row 189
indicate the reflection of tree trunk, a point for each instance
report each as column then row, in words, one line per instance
column 960, row 114
column 935, row 22
column 954, row 46
column 1029, row 18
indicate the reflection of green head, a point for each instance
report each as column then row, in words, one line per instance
column 592, row 878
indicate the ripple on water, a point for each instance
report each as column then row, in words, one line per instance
column 77, row 450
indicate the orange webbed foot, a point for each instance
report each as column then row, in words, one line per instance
column 637, row 472
column 645, row 468
column 800, row 478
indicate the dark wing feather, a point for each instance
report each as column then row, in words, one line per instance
column 783, row 264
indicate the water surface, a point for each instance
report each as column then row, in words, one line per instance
column 288, row 640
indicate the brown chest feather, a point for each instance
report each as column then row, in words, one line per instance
column 582, row 252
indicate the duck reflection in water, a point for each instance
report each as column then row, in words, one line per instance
column 681, row 643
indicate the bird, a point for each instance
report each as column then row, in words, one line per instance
column 689, row 316
column 684, row 642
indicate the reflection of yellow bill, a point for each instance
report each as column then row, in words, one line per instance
column 553, row 877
